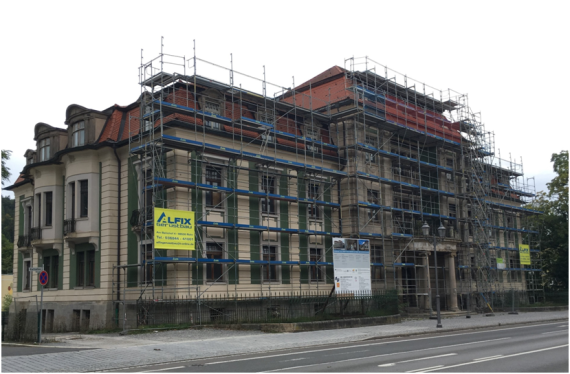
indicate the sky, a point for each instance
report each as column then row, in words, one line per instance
column 510, row 57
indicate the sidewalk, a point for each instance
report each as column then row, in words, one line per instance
column 168, row 346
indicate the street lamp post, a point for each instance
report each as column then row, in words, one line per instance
column 441, row 231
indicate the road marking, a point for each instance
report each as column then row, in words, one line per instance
column 418, row 359
column 347, row 353
column 295, row 359
column 487, row 358
column 421, row 370
column 372, row 344
column 386, row 354
column 513, row 355
column 553, row 332
column 150, row 371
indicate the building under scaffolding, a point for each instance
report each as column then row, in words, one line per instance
column 360, row 153
column 273, row 174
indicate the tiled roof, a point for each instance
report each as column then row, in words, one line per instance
column 324, row 75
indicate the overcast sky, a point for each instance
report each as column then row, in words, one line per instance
column 511, row 58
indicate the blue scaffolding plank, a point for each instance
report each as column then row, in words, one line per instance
column 398, row 235
column 403, row 264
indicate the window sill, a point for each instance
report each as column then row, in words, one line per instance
column 84, row 288
column 82, row 218
column 218, row 282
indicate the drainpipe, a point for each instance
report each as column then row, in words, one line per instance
column 118, row 225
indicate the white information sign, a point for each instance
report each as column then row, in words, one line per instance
column 352, row 265
column 37, row 270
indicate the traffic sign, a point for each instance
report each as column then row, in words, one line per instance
column 37, row 270
column 43, row 278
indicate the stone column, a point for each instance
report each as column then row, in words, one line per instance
column 452, row 282
column 424, row 282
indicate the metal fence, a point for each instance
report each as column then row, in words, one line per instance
column 264, row 308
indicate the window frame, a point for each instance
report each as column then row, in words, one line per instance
column 51, row 266
column 317, row 273
column 214, row 248
column 45, row 149
column 78, row 134
column 271, row 273
column 209, row 194
column 48, row 211
column 269, row 189
column 314, row 211
column 83, row 198
column 85, row 266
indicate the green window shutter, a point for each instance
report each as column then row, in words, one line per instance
column 132, row 240
column 72, row 269
column 254, row 219
column 196, row 177
column 20, row 270
column 284, row 223
column 304, row 256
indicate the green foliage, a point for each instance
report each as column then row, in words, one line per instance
column 6, row 302
column 554, row 226
column 5, row 170
column 8, row 211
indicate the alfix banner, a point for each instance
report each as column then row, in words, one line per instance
column 174, row 229
column 524, row 253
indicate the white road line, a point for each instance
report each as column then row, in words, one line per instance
column 372, row 344
column 386, row 354
column 421, row 370
column 553, row 332
column 150, row 371
column 368, row 345
column 501, row 357
column 418, row 359
column 487, row 358
column 294, row 359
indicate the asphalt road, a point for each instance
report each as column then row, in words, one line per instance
column 530, row 348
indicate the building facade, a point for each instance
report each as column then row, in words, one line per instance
column 272, row 180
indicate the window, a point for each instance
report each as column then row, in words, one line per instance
column 270, row 271
column 85, row 271
column 452, row 210
column 80, row 269
column 371, row 141
column 78, row 134
column 376, row 256
column 83, row 198
column 449, row 162
column 268, row 186
column 313, row 209
column 49, row 208
column 214, row 271
column 374, row 198
column 213, row 108
column 317, row 274
column 39, row 216
column 214, row 178
column 312, row 132
column 45, row 149
column 51, row 266
column 27, row 276
column 266, row 115
column 72, row 188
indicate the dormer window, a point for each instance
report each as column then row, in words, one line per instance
column 78, row 134
column 45, row 149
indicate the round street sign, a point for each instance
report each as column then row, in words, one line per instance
column 43, row 278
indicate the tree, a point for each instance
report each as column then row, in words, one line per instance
column 5, row 170
column 8, row 212
column 554, row 225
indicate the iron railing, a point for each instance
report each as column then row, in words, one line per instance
column 24, row 241
column 264, row 308
column 36, row 233
column 68, row 226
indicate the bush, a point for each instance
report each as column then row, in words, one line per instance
column 6, row 302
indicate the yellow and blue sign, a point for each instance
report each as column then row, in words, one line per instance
column 174, row 229
column 524, row 253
